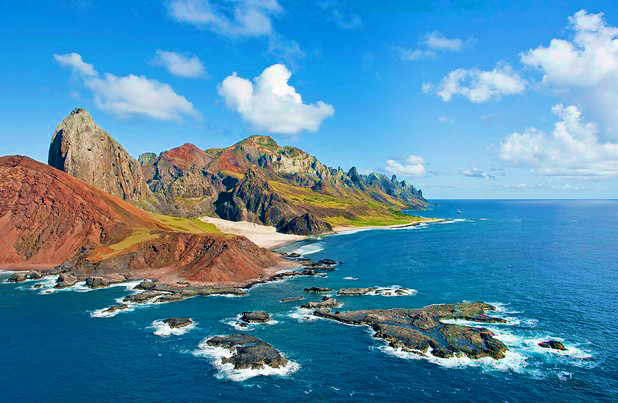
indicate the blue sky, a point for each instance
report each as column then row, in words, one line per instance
column 465, row 99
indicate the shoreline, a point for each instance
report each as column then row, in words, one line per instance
column 349, row 228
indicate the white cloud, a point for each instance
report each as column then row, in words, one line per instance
column 476, row 173
column 432, row 43
column 238, row 18
column 479, row 86
column 411, row 166
column 445, row 119
column 572, row 148
column 130, row 95
column 585, row 69
column 412, row 55
column 270, row 104
column 74, row 60
column 436, row 40
column 179, row 65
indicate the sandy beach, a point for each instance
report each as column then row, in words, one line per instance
column 261, row 235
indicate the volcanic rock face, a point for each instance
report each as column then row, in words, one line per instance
column 176, row 323
column 421, row 331
column 47, row 216
column 248, row 352
column 306, row 224
column 82, row 149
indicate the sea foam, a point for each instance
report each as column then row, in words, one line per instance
column 162, row 329
column 227, row 371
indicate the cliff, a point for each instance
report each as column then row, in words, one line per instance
column 82, row 149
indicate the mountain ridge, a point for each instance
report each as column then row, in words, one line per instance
column 254, row 179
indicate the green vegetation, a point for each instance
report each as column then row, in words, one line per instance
column 138, row 236
column 187, row 225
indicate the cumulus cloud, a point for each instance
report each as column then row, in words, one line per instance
column 571, row 149
column 435, row 40
column 411, row 166
column 432, row 43
column 179, row 65
column 237, row 18
column 75, row 62
column 476, row 173
column 129, row 95
column 477, row 85
column 585, row 67
column 270, row 104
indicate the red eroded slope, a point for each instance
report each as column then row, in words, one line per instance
column 46, row 215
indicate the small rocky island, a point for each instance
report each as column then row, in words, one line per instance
column 177, row 323
column 248, row 352
column 552, row 344
column 421, row 331
column 255, row 317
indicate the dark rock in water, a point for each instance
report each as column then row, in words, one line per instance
column 320, row 267
column 66, row 280
column 175, row 323
column 255, row 317
column 115, row 308
column 291, row 299
column 347, row 292
column 248, row 352
column 142, row 297
column 553, row 344
column 100, row 281
column 325, row 303
column 306, row 224
column 18, row 277
column 318, row 290
column 293, row 255
column 328, row 262
column 421, row 331
column 37, row 286
column 171, row 298
column 34, row 275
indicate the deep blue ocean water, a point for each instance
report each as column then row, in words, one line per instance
column 551, row 265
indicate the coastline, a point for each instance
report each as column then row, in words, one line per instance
column 349, row 228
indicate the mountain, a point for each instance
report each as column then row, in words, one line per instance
column 48, row 217
column 81, row 148
column 255, row 180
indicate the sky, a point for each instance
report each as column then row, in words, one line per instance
column 464, row 99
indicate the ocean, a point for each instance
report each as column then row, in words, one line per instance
column 550, row 266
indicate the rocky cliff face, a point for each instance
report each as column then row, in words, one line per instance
column 49, row 218
column 82, row 149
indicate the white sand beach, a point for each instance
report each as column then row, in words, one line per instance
column 261, row 235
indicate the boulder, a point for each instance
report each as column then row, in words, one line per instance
column 347, row 292
column 18, row 277
column 291, row 299
column 552, row 344
column 115, row 308
column 142, row 297
column 66, row 280
column 325, row 303
column 176, row 323
column 318, row 290
column 255, row 317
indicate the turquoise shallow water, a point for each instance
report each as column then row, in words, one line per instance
column 552, row 266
